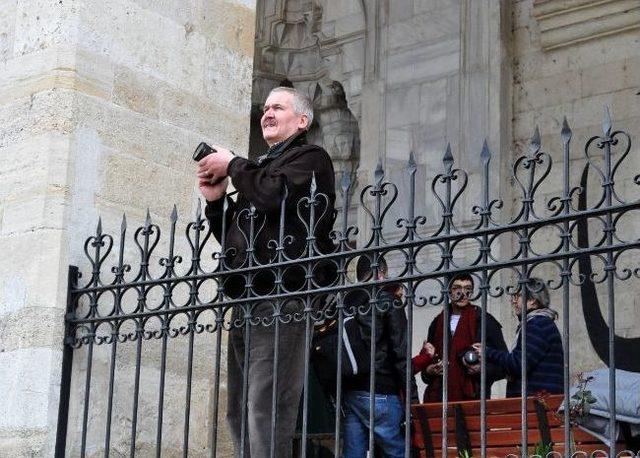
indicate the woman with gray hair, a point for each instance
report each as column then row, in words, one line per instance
column 544, row 356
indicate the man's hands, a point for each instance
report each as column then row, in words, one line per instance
column 212, row 192
column 475, row 368
column 477, row 347
column 434, row 369
column 472, row 369
column 428, row 348
column 214, row 166
column 212, row 173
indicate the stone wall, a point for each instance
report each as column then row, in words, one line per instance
column 101, row 105
column 420, row 74
column 571, row 59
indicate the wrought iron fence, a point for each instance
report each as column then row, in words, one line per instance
column 114, row 308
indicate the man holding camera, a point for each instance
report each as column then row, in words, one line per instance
column 285, row 170
column 543, row 352
column 464, row 330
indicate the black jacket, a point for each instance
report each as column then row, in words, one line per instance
column 262, row 184
column 495, row 339
column 391, row 345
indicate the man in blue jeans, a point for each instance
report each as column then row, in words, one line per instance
column 390, row 372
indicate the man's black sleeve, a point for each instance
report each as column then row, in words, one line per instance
column 263, row 186
column 398, row 333
column 431, row 335
column 214, row 212
column 495, row 340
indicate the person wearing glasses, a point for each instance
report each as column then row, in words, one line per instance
column 544, row 356
column 464, row 330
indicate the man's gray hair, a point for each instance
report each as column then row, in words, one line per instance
column 537, row 290
column 302, row 104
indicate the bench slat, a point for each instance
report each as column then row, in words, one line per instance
column 494, row 406
column 513, row 437
column 510, row 421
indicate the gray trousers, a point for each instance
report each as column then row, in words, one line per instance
column 260, row 384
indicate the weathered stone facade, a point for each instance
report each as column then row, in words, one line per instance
column 101, row 103
column 571, row 59
column 420, row 74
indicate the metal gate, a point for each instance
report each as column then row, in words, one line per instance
column 161, row 299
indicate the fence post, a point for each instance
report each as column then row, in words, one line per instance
column 65, row 377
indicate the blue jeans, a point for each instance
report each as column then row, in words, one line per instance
column 389, row 414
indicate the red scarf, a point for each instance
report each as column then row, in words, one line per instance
column 461, row 385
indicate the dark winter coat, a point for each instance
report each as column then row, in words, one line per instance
column 391, row 345
column 544, row 357
column 261, row 184
column 494, row 372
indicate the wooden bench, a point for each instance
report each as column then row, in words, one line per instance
column 504, row 428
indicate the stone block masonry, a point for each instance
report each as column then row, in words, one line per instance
column 101, row 104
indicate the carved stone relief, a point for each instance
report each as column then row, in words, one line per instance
column 296, row 44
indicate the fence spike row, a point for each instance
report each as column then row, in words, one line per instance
column 99, row 243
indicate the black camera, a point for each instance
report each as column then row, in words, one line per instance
column 202, row 151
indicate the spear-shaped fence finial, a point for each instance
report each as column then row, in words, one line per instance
column 447, row 159
column 566, row 131
column 147, row 220
column 535, row 140
column 345, row 181
column 199, row 208
column 314, row 185
column 99, row 227
column 174, row 214
column 123, row 224
column 485, row 154
column 606, row 122
column 411, row 163
column 379, row 173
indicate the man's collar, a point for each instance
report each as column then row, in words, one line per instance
column 299, row 138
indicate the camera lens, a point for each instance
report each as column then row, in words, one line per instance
column 470, row 357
